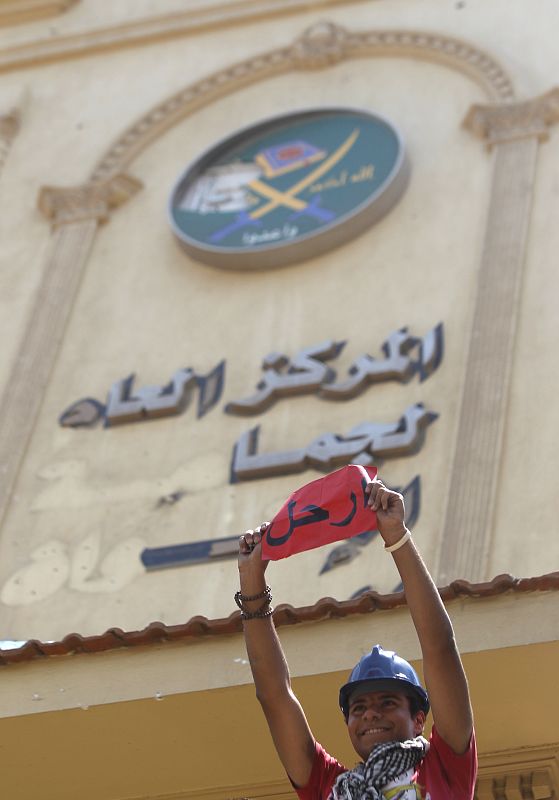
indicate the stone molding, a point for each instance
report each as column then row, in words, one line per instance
column 175, row 108
column 515, row 786
column 138, row 32
column 524, row 774
column 16, row 13
column 527, row 773
column 503, row 123
column 531, row 772
column 418, row 44
column 24, row 390
column 90, row 201
column 513, row 131
column 467, row 534
column 320, row 46
column 326, row 43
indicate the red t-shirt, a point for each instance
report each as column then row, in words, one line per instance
column 442, row 775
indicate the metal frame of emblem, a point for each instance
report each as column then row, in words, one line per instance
column 341, row 230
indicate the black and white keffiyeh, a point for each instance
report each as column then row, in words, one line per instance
column 385, row 763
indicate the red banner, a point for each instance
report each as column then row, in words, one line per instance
column 324, row 511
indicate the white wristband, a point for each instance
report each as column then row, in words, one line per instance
column 399, row 543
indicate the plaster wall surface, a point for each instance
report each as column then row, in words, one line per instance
column 144, row 306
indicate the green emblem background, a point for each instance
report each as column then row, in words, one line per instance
column 233, row 200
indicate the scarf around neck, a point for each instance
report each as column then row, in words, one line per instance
column 385, row 762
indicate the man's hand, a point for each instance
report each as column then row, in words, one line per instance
column 250, row 548
column 389, row 508
column 251, row 565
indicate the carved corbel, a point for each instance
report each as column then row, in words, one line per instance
column 321, row 45
column 65, row 205
column 505, row 122
column 9, row 125
column 507, row 784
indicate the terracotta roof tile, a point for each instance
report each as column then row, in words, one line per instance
column 325, row 608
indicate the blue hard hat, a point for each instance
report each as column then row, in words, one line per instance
column 383, row 670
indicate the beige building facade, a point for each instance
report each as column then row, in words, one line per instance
column 154, row 405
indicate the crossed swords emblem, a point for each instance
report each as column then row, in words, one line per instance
column 288, row 198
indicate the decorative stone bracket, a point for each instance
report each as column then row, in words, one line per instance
column 321, row 46
column 90, row 201
column 526, row 773
column 512, row 121
column 537, row 785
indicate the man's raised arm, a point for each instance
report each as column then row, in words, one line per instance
column 288, row 725
column 444, row 675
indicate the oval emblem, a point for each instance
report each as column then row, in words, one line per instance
column 289, row 188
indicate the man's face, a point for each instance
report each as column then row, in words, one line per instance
column 376, row 717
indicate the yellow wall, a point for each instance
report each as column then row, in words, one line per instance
column 214, row 744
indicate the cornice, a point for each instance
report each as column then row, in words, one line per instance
column 511, row 775
column 510, row 122
column 419, row 44
column 16, row 13
column 167, row 26
column 530, row 780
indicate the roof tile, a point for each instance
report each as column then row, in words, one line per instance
column 325, row 608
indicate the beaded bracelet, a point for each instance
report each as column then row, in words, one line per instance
column 260, row 614
column 265, row 609
column 241, row 598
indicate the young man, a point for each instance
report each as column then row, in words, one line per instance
column 383, row 701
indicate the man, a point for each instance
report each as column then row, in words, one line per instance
column 383, row 702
